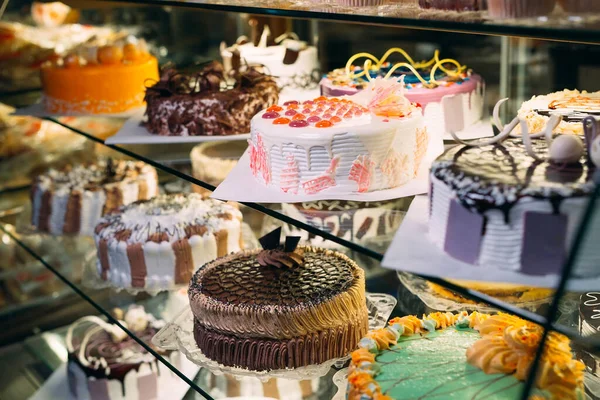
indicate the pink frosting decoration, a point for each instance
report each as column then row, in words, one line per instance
column 391, row 166
column 322, row 182
column 416, row 94
column 289, row 179
column 259, row 159
column 361, row 172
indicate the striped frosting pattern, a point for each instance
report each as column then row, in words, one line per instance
column 161, row 242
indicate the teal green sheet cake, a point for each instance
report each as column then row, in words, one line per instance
column 461, row 356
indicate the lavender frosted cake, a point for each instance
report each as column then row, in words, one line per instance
column 106, row 364
column 497, row 207
column 197, row 105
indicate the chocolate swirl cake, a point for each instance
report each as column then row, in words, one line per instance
column 159, row 243
column 498, row 207
column 73, row 199
column 106, row 364
column 253, row 313
column 197, row 105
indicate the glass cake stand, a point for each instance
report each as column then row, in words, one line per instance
column 179, row 335
column 436, row 302
column 91, row 280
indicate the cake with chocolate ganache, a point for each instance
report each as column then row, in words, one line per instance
column 510, row 206
column 280, row 307
column 462, row 356
column 201, row 104
column 160, row 243
column 72, row 199
column 106, row 364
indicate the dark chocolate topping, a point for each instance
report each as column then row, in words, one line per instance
column 589, row 309
column 195, row 105
column 243, row 281
column 498, row 176
column 101, row 345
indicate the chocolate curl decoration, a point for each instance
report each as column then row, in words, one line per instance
column 274, row 255
column 172, row 82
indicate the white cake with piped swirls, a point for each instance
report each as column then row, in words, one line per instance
column 160, row 243
column 72, row 200
column 371, row 141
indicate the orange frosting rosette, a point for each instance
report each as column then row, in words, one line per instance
column 410, row 323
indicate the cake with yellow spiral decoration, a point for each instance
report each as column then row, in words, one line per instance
column 427, row 83
column 280, row 307
column 461, row 356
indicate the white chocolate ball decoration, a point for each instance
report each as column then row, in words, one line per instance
column 566, row 149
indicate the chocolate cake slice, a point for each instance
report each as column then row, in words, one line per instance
column 200, row 104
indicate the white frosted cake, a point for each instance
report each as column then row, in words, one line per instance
column 73, row 199
column 106, row 364
column 572, row 105
column 371, row 141
column 497, row 207
column 292, row 62
column 160, row 243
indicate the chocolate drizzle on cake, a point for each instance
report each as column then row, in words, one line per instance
column 201, row 104
column 498, row 176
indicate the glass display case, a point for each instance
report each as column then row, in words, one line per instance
column 67, row 308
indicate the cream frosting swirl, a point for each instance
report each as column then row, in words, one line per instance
column 279, row 258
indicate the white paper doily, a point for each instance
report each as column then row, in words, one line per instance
column 91, row 279
column 179, row 335
column 435, row 301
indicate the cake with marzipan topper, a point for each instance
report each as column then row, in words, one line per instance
column 426, row 83
column 372, row 141
column 99, row 79
column 72, row 199
column 463, row 356
column 512, row 204
column 280, row 307
column 160, row 243
column 106, row 364
column 196, row 105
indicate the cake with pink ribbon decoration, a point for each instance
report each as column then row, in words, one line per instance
column 426, row 83
column 372, row 141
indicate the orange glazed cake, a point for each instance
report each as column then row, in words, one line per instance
column 99, row 80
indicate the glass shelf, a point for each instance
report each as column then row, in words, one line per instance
column 559, row 26
column 78, row 297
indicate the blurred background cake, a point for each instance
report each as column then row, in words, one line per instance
column 72, row 199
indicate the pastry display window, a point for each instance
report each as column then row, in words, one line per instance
column 299, row 199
